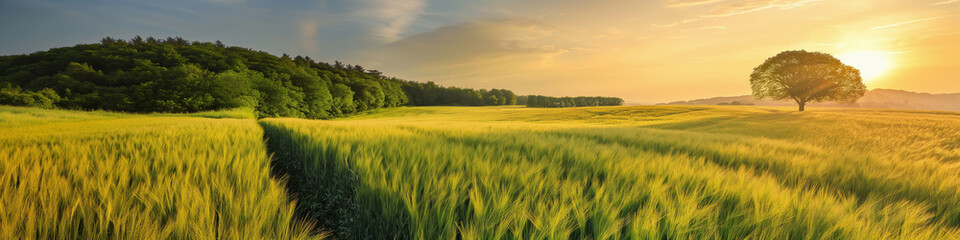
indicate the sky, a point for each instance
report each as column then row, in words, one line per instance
column 644, row 51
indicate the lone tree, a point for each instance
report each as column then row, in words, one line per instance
column 806, row 77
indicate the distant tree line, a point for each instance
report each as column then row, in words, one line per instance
column 176, row 75
column 431, row 94
column 555, row 102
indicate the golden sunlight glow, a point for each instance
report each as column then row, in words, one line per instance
column 872, row 64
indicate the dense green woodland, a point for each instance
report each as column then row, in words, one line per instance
column 176, row 75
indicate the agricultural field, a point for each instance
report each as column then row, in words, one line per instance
column 102, row 175
column 639, row 172
column 645, row 172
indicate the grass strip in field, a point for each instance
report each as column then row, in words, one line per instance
column 326, row 189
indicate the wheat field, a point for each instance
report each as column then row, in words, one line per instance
column 647, row 172
column 101, row 175
column 641, row 172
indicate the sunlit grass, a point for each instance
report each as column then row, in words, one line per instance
column 652, row 172
column 649, row 172
column 240, row 113
column 12, row 116
column 82, row 175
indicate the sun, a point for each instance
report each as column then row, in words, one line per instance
column 872, row 64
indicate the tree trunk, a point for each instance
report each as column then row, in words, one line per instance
column 801, row 103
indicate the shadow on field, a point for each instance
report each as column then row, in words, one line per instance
column 326, row 191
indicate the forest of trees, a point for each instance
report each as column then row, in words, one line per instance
column 430, row 94
column 176, row 75
column 554, row 102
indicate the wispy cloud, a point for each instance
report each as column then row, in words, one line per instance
column 748, row 6
column 390, row 17
column 739, row 7
column 674, row 24
column 713, row 28
column 490, row 43
column 308, row 32
column 707, row 28
column 945, row 2
column 912, row 21
column 689, row 3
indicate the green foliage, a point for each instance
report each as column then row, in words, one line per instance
column 651, row 172
column 14, row 96
column 175, row 75
column 231, row 89
column 806, row 77
column 431, row 94
column 555, row 102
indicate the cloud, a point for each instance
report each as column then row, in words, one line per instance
column 739, row 7
column 674, row 24
column 714, row 28
column 945, row 2
column 748, row 6
column 462, row 48
column 912, row 21
column 689, row 3
column 344, row 30
column 308, row 32
column 389, row 18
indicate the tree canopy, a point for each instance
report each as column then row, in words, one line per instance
column 176, row 75
column 806, row 77
column 430, row 94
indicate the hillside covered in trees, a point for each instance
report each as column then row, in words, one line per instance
column 176, row 75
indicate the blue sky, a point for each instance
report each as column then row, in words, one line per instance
column 644, row 51
column 327, row 29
